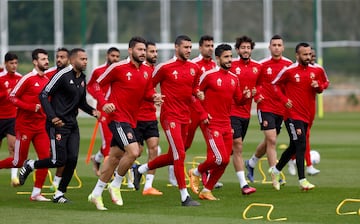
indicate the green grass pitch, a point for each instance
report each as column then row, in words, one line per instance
column 336, row 137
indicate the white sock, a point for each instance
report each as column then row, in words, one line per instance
column 241, row 176
column 149, row 178
column 143, row 168
column 56, row 181
column 58, row 194
column 205, row 190
column 276, row 171
column 117, row 180
column 253, row 161
column 36, row 191
column 14, row 173
column 184, row 194
column 99, row 188
column 99, row 157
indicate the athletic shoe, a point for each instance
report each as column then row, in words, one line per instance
column 246, row 190
column 275, row 177
column 39, row 197
column 137, row 176
column 15, row 182
column 250, row 171
column 98, row 201
column 151, row 191
column 96, row 165
column 24, row 172
column 189, row 202
column 282, row 182
column 292, row 167
column 312, row 170
column 194, row 181
column 61, row 199
column 305, row 185
column 172, row 178
column 207, row 195
column 218, row 185
column 115, row 195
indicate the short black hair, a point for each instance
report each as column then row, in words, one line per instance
column 244, row 39
column 35, row 53
column 301, row 44
column 9, row 56
column 74, row 51
column 221, row 48
column 111, row 49
column 276, row 37
column 64, row 49
column 150, row 43
column 181, row 38
column 134, row 40
column 205, row 38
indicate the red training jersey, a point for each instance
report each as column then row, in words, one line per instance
column 91, row 86
column 295, row 82
column 25, row 96
column 129, row 86
column 247, row 72
column 221, row 87
column 177, row 79
column 7, row 83
column 270, row 68
column 147, row 111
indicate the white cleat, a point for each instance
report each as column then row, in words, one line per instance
column 312, row 170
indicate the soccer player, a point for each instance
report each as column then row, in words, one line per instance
column 205, row 63
column 247, row 71
column 221, row 87
column 62, row 61
column 177, row 78
column 8, row 79
column 130, row 82
column 61, row 99
column 269, row 108
column 147, row 125
column 310, row 169
column 112, row 56
column 296, row 87
column 30, row 120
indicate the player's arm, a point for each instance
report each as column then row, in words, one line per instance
column 17, row 92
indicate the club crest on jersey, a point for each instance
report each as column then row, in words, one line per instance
column 128, row 75
column 218, row 82
column 129, row 135
column 192, row 72
column 312, row 75
column 269, row 71
column 255, row 70
column 238, row 71
column 175, row 73
column 82, row 84
column 6, row 84
column 297, row 77
column 58, row 137
column 24, row 137
column 146, row 75
column 172, row 125
column 216, row 134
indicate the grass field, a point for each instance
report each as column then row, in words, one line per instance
column 336, row 137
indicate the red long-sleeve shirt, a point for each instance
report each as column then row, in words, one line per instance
column 247, row 72
column 295, row 82
column 221, row 87
column 147, row 111
column 129, row 86
column 25, row 96
column 7, row 83
column 270, row 68
column 91, row 86
column 177, row 79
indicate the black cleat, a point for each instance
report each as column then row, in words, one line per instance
column 137, row 177
column 189, row 202
column 61, row 200
column 24, row 172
